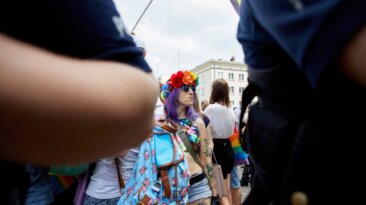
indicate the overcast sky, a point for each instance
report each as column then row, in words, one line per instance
column 194, row 30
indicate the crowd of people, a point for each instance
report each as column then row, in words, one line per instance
column 69, row 94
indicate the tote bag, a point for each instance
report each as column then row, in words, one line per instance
column 219, row 178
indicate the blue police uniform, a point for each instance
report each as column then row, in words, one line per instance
column 81, row 29
column 307, row 108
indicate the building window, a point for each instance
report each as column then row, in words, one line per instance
column 241, row 89
column 241, row 76
column 232, row 89
column 220, row 74
column 231, row 76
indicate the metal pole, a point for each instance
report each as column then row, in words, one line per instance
column 141, row 15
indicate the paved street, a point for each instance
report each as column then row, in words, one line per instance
column 244, row 192
column 244, row 189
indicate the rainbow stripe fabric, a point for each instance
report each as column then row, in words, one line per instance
column 60, row 183
column 236, row 5
column 240, row 156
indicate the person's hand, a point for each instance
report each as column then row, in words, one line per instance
column 352, row 58
column 214, row 192
column 242, row 130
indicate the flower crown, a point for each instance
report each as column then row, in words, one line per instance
column 176, row 81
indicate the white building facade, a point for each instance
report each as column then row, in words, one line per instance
column 235, row 73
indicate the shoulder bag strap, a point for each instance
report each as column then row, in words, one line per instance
column 188, row 145
column 213, row 154
column 120, row 179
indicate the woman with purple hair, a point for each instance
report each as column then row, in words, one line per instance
column 178, row 96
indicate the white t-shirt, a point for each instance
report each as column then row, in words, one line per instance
column 159, row 109
column 222, row 120
column 237, row 116
column 104, row 183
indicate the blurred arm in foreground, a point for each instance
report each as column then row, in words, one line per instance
column 58, row 110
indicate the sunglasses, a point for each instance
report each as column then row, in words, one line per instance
column 186, row 88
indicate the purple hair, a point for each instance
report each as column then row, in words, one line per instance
column 171, row 104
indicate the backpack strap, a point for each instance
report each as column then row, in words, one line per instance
column 168, row 125
column 165, row 180
column 120, row 179
column 145, row 200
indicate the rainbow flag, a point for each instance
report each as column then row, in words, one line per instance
column 240, row 156
column 60, row 183
column 236, row 5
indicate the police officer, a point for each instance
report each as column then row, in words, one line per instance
column 307, row 66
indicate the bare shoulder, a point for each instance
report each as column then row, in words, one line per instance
column 200, row 123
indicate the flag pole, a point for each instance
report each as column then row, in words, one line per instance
column 236, row 5
column 141, row 15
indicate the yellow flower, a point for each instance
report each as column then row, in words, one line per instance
column 194, row 76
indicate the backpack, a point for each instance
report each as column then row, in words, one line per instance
column 160, row 175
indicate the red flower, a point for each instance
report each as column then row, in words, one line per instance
column 176, row 79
